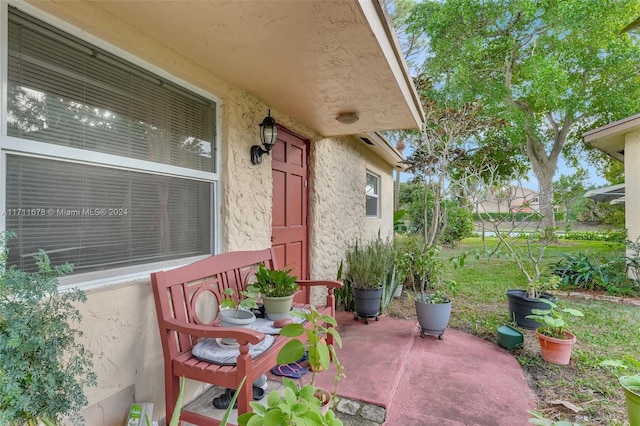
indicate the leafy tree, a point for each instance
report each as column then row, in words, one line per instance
column 568, row 190
column 436, row 151
column 549, row 68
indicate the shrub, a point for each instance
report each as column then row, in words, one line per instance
column 610, row 275
column 459, row 224
column 43, row 368
column 578, row 271
column 613, row 236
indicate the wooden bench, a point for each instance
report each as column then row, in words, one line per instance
column 179, row 294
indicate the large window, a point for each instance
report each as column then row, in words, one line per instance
column 372, row 192
column 106, row 165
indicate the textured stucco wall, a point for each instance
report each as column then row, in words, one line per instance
column 337, row 201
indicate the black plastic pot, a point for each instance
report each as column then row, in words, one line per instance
column 367, row 301
column 520, row 306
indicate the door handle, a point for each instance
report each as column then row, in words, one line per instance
column 273, row 238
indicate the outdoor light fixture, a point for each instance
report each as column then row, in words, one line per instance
column 348, row 117
column 268, row 137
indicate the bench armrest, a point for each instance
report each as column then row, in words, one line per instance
column 326, row 283
column 242, row 335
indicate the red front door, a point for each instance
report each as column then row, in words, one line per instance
column 290, row 185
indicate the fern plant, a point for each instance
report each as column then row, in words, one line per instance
column 43, row 367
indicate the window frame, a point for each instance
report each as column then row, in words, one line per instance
column 376, row 195
column 10, row 145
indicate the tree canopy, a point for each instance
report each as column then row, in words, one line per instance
column 551, row 69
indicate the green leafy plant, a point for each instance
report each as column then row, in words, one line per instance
column 43, row 367
column 390, row 284
column 302, row 405
column 539, row 419
column 275, row 282
column 321, row 353
column 368, row 264
column 298, row 406
column 551, row 320
column 578, row 270
column 344, row 295
column 247, row 299
column 423, row 269
column 541, row 286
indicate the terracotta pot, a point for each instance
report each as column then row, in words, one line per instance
column 554, row 350
column 325, row 399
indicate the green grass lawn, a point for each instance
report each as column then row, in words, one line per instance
column 608, row 330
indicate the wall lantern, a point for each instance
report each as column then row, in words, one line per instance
column 268, row 137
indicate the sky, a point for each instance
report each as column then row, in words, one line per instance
column 563, row 169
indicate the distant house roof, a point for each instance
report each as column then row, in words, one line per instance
column 613, row 194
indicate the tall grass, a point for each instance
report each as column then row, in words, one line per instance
column 608, row 330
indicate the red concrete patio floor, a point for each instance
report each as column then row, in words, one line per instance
column 460, row 380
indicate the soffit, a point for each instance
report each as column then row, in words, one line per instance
column 310, row 60
column 611, row 137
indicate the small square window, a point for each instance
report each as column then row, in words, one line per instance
column 372, row 192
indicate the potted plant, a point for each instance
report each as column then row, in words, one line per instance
column 430, row 291
column 277, row 287
column 526, row 248
column 237, row 313
column 306, row 404
column 298, row 406
column 523, row 302
column 321, row 351
column 556, row 343
column 631, row 386
column 43, row 366
column 368, row 266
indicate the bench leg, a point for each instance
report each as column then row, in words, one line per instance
column 246, row 393
column 171, row 389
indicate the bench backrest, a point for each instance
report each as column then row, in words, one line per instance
column 181, row 293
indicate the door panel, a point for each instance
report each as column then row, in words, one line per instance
column 289, row 228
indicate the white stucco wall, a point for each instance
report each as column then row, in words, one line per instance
column 119, row 319
column 383, row 224
column 632, row 179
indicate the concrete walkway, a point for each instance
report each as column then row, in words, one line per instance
column 460, row 380
column 397, row 378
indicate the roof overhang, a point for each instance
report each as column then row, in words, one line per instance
column 381, row 146
column 611, row 138
column 310, row 60
column 614, row 194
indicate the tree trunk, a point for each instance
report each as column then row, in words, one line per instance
column 544, row 168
